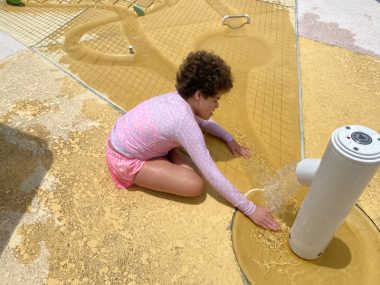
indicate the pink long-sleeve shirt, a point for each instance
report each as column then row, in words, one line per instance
column 154, row 127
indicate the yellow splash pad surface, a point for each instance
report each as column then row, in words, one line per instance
column 86, row 232
column 77, row 228
column 94, row 44
column 265, row 257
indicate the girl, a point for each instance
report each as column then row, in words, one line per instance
column 143, row 146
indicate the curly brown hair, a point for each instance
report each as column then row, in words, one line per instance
column 204, row 71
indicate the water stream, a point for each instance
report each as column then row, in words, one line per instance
column 266, row 258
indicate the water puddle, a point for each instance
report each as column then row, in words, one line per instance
column 266, row 258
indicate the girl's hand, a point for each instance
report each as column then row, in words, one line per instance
column 263, row 218
column 237, row 149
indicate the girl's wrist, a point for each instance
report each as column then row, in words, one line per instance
column 252, row 210
column 229, row 139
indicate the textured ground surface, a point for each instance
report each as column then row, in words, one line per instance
column 70, row 225
column 61, row 224
column 345, row 90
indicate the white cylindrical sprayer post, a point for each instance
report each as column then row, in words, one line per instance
column 351, row 159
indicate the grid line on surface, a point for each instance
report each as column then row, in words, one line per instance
column 179, row 15
column 86, row 16
column 35, row 24
column 108, row 39
column 270, row 90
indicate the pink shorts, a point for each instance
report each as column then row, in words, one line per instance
column 122, row 168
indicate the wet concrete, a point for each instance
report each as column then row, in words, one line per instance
column 345, row 260
column 354, row 25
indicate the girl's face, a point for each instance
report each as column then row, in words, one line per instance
column 205, row 107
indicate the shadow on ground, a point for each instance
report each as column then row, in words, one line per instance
column 25, row 159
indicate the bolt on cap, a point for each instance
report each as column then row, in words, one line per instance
column 358, row 143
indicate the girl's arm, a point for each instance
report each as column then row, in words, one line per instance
column 212, row 128
column 191, row 138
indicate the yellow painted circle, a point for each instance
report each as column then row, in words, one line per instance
column 352, row 257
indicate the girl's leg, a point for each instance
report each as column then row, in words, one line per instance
column 181, row 158
column 176, row 176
